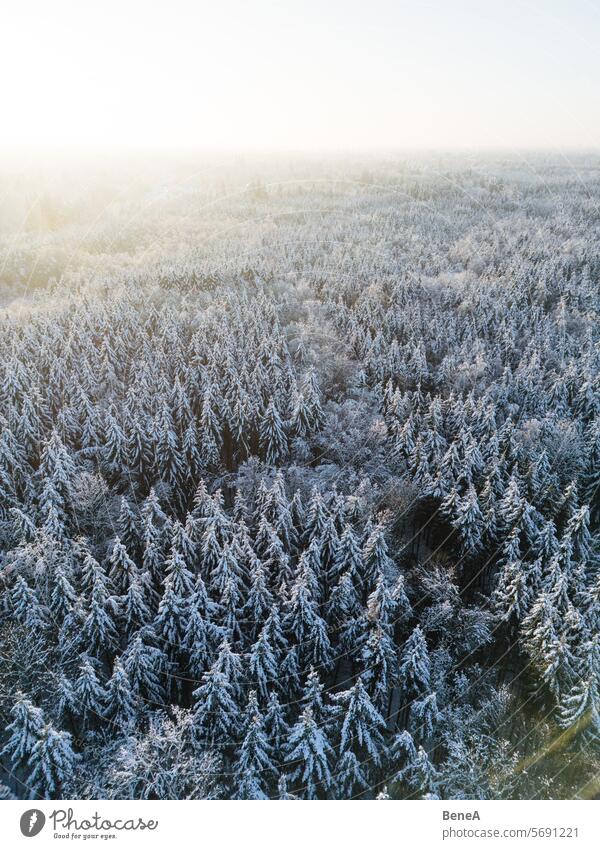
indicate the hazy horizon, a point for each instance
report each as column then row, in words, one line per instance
column 299, row 78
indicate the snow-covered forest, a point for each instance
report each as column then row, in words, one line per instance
column 299, row 470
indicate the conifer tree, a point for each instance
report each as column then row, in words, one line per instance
column 216, row 720
column 309, row 756
column 379, row 665
column 273, row 439
column 512, row 594
column 276, row 726
column 99, row 628
column 171, row 619
column 146, row 668
column 312, row 394
column 26, row 607
column 468, row 520
column 424, row 717
column 581, row 702
column 361, row 733
column 259, row 602
column 127, row 527
column 135, row 609
column 122, row 568
column 90, row 696
column 52, row 762
column 25, row 729
column 121, row 704
column 414, row 672
column 262, row 664
column 254, row 765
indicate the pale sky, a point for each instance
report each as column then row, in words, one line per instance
column 285, row 75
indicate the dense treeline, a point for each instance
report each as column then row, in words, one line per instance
column 317, row 522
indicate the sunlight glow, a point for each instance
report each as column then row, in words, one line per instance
column 300, row 75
